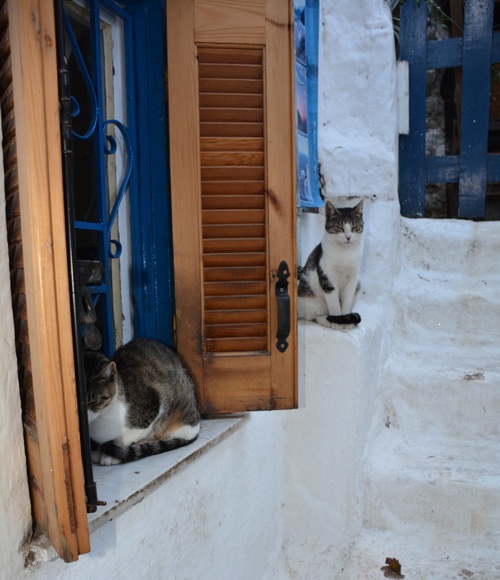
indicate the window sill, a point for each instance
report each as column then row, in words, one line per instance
column 120, row 487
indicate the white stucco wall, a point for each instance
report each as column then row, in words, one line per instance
column 281, row 497
column 15, row 511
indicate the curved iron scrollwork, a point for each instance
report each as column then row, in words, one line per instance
column 111, row 150
column 88, row 83
column 110, row 143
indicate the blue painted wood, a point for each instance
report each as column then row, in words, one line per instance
column 493, row 165
column 446, row 169
column 476, row 66
column 444, row 53
column 475, row 52
column 151, row 216
column 312, row 52
column 413, row 36
column 442, row 169
column 495, row 49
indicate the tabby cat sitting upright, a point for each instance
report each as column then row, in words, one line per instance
column 140, row 402
column 329, row 283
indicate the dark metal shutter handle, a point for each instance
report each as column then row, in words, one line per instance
column 283, row 306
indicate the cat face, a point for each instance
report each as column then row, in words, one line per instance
column 101, row 380
column 346, row 223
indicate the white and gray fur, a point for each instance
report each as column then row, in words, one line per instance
column 140, row 402
column 329, row 283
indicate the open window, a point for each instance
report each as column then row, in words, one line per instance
column 230, row 104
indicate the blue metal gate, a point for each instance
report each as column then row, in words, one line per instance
column 471, row 162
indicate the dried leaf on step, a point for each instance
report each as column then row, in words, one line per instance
column 393, row 568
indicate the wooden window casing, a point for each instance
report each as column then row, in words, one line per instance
column 39, row 272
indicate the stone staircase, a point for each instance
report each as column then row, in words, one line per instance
column 431, row 481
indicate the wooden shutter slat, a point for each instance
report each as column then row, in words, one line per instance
column 236, row 330
column 232, row 216
column 231, row 144
column 230, row 86
column 233, row 100
column 233, row 246
column 232, row 187
column 234, row 231
column 247, row 259
column 229, row 56
column 236, row 344
column 230, row 173
column 230, row 115
column 230, row 158
column 238, row 273
column 225, row 70
column 235, row 202
column 235, row 303
column 231, row 129
column 235, row 316
column 235, row 288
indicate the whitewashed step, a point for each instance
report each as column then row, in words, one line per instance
column 454, row 391
column 471, row 248
column 450, row 485
column 434, row 306
column 423, row 555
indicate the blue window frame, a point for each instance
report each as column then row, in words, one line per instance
column 138, row 141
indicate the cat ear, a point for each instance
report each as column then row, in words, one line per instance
column 330, row 209
column 108, row 371
column 112, row 370
column 359, row 207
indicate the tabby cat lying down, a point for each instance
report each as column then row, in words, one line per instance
column 140, row 402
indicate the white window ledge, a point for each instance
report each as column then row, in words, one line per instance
column 120, row 487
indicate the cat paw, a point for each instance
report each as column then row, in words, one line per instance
column 344, row 323
column 100, row 458
column 352, row 318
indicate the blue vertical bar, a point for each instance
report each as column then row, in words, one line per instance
column 476, row 71
column 312, row 49
column 413, row 36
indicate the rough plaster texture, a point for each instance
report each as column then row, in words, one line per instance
column 15, row 512
column 357, row 108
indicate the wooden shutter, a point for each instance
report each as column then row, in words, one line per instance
column 233, row 197
column 38, row 263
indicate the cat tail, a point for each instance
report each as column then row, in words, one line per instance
column 353, row 318
column 145, row 449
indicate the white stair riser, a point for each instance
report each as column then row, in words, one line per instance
column 445, row 505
